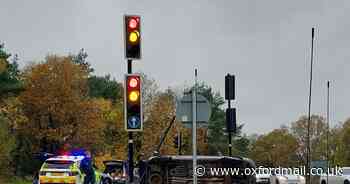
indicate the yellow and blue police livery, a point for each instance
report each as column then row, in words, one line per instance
column 62, row 169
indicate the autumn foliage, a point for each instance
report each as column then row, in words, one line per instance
column 58, row 109
column 160, row 116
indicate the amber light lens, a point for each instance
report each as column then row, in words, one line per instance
column 134, row 36
column 133, row 96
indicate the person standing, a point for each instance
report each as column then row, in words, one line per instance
column 87, row 168
column 142, row 168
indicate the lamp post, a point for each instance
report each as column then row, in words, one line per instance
column 308, row 155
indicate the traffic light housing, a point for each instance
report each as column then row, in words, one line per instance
column 133, row 103
column 132, row 24
column 231, row 120
column 229, row 87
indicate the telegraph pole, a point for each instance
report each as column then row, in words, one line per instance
column 308, row 157
column 327, row 141
column 194, row 128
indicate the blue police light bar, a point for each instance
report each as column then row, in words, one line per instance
column 78, row 152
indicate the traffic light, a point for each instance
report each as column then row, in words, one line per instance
column 229, row 87
column 231, row 120
column 133, row 103
column 132, row 24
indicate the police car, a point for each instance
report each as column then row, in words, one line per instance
column 62, row 169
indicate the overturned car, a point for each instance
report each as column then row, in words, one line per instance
column 178, row 169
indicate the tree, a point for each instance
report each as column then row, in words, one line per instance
column 341, row 145
column 115, row 137
column 277, row 148
column 21, row 158
column 7, row 145
column 241, row 146
column 150, row 91
column 9, row 74
column 161, row 112
column 57, row 106
column 81, row 59
column 3, row 59
column 105, row 87
column 216, row 136
column 318, row 130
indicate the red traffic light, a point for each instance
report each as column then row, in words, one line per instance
column 133, row 22
column 133, row 82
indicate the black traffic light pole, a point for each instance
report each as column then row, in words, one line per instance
column 230, row 113
column 131, row 141
column 229, row 135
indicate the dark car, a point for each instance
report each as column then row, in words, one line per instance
column 114, row 173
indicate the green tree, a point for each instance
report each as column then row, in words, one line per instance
column 21, row 159
column 277, row 148
column 241, row 146
column 217, row 136
column 341, row 150
column 7, row 145
column 105, row 87
column 9, row 74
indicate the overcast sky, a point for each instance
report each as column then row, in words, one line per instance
column 265, row 43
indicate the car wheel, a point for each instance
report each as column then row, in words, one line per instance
column 323, row 182
column 346, row 182
column 156, row 178
column 277, row 181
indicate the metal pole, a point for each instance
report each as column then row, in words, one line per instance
column 131, row 141
column 229, row 134
column 180, row 143
column 327, row 154
column 308, row 157
column 194, row 128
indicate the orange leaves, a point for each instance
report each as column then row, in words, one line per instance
column 56, row 104
column 160, row 114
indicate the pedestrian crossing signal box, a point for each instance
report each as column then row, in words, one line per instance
column 133, row 103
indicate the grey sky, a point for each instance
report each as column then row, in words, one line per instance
column 265, row 43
